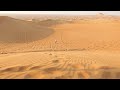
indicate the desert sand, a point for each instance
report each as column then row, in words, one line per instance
column 87, row 48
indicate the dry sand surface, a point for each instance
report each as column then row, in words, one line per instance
column 55, row 49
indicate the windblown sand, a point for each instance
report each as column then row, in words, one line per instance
column 78, row 50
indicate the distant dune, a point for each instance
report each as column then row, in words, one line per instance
column 59, row 35
column 50, row 22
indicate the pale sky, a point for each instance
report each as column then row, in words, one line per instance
column 62, row 12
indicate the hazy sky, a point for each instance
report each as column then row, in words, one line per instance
column 62, row 12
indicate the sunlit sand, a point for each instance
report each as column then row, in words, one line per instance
column 84, row 48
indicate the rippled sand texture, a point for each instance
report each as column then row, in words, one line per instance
column 60, row 65
column 60, row 49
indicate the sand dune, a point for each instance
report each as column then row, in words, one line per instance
column 74, row 64
column 60, row 49
column 50, row 22
column 30, row 36
column 18, row 31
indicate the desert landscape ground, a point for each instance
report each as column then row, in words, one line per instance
column 76, row 47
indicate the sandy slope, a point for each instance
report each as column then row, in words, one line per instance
column 70, row 65
column 81, row 49
column 72, row 36
column 19, row 31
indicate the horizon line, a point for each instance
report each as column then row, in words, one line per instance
column 59, row 12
